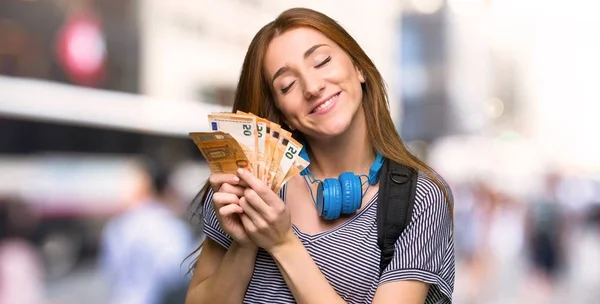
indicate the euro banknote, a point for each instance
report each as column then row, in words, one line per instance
column 240, row 127
column 245, row 140
column 222, row 152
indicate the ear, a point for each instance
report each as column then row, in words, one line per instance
column 361, row 75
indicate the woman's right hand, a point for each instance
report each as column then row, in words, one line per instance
column 227, row 192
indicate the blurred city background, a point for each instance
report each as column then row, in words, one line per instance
column 96, row 169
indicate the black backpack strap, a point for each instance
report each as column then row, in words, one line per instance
column 397, row 188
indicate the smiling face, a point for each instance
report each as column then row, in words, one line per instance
column 315, row 83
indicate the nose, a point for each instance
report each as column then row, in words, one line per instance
column 313, row 86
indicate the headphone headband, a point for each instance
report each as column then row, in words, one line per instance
column 375, row 167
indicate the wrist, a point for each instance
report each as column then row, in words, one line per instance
column 289, row 245
column 248, row 247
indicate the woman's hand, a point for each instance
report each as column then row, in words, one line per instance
column 265, row 216
column 227, row 190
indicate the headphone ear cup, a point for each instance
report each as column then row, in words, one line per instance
column 351, row 192
column 329, row 199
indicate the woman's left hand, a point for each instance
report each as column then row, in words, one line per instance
column 266, row 217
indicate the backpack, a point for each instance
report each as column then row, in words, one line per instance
column 397, row 189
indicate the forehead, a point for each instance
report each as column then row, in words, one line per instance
column 291, row 45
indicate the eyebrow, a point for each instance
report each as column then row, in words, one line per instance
column 308, row 52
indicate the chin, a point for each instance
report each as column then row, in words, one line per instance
column 333, row 127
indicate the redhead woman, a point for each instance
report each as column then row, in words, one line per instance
column 305, row 72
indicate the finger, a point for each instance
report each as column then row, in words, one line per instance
column 217, row 179
column 243, row 184
column 229, row 188
column 256, row 202
column 248, row 224
column 257, row 185
column 221, row 199
column 254, row 215
column 230, row 209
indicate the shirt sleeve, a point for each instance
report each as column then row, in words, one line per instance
column 211, row 226
column 425, row 250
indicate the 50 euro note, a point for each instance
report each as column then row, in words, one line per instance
column 262, row 139
column 297, row 167
column 291, row 150
column 242, row 128
column 222, row 152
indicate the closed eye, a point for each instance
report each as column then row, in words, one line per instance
column 286, row 89
column 324, row 62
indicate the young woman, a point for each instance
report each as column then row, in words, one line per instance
column 305, row 72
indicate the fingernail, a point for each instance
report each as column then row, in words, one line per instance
column 236, row 179
column 240, row 171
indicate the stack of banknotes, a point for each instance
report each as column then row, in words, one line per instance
column 244, row 140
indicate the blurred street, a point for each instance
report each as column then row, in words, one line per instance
column 82, row 285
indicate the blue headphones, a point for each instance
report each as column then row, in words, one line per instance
column 342, row 195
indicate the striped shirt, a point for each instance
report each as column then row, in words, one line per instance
column 348, row 254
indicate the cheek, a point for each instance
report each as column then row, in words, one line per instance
column 290, row 105
column 286, row 109
column 356, row 84
column 344, row 74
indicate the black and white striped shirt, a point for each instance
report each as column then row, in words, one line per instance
column 348, row 255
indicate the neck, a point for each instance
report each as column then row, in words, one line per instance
column 350, row 151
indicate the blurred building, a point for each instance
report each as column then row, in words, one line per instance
column 193, row 50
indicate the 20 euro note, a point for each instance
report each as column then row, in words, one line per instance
column 242, row 128
column 221, row 151
column 278, row 152
column 297, row 167
column 292, row 149
column 273, row 140
column 262, row 135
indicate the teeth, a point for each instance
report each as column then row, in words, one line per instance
column 325, row 104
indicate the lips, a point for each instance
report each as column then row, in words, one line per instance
column 323, row 104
